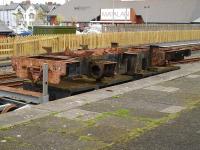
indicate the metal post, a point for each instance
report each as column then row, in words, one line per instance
column 45, row 96
column 146, row 14
column 113, row 19
column 3, row 19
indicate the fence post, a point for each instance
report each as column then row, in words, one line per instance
column 15, row 53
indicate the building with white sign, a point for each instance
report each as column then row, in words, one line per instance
column 116, row 14
column 119, row 15
column 152, row 11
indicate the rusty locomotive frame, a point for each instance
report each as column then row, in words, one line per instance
column 100, row 63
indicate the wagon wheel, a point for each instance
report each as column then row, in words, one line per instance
column 9, row 108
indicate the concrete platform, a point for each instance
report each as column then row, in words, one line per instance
column 101, row 118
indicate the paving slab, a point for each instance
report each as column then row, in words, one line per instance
column 56, row 141
column 162, row 88
column 173, row 109
column 136, row 108
column 106, row 134
column 186, row 85
column 53, row 130
column 134, row 111
column 180, row 99
column 22, row 115
column 126, row 123
column 78, row 114
column 46, row 124
column 194, row 76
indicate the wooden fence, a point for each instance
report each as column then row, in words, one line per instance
column 148, row 27
column 32, row 45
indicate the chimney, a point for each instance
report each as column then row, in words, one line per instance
column 50, row 3
column 27, row 2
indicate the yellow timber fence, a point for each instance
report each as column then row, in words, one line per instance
column 32, row 45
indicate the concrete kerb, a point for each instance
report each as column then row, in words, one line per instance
column 73, row 102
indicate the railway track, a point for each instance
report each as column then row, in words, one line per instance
column 10, row 79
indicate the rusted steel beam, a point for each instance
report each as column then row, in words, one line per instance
column 20, row 94
column 100, row 63
column 100, row 69
column 10, row 79
column 7, row 75
column 31, row 67
column 67, row 64
column 189, row 60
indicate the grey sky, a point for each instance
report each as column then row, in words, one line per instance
column 33, row 1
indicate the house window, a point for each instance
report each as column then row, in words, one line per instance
column 30, row 23
column 81, row 8
column 31, row 16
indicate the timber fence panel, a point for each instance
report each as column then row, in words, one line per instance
column 33, row 45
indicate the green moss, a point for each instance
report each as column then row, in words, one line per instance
column 50, row 130
column 54, row 113
column 193, row 104
column 116, row 96
column 86, row 138
column 123, row 113
column 4, row 128
column 92, row 122
column 25, row 145
column 10, row 139
column 145, row 119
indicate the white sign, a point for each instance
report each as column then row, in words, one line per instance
column 116, row 14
